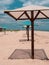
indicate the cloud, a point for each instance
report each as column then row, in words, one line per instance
column 4, row 18
column 2, row 8
column 7, row 20
column 35, row 2
column 6, row 2
column 44, row 2
column 1, row 12
column 23, row 1
column 27, row 3
column 4, row 5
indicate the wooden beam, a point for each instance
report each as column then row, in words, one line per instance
column 42, row 18
column 20, row 16
column 37, row 14
column 11, row 15
column 44, row 14
column 28, row 19
column 23, row 19
column 25, row 10
column 27, row 15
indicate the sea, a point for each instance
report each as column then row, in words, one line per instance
column 11, row 24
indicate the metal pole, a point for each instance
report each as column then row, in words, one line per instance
column 32, row 35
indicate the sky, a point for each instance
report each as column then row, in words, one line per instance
column 13, row 4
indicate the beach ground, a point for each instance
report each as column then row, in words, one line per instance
column 12, row 41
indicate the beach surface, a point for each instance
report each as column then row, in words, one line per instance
column 15, row 49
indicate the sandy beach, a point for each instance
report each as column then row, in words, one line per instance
column 12, row 41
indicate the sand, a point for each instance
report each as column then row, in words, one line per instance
column 12, row 41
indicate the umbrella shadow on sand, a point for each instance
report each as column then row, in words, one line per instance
column 1, row 35
column 26, row 54
column 22, row 40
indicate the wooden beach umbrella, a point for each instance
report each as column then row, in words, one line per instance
column 31, row 13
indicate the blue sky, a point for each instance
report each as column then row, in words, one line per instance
column 12, row 4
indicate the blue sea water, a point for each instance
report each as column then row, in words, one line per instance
column 11, row 24
column 42, row 25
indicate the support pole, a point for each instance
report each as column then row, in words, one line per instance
column 27, row 30
column 32, row 34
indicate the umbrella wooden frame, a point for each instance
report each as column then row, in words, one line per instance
column 32, row 18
